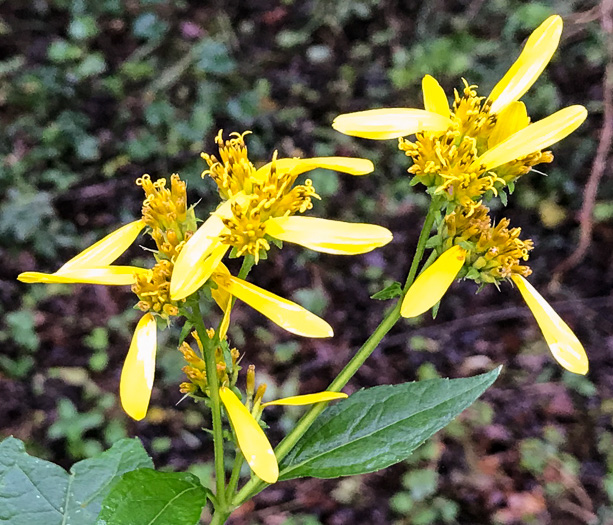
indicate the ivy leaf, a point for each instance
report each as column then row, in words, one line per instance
column 33, row 490
column 377, row 427
column 149, row 497
column 389, row 292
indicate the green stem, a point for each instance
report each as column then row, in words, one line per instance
column 234, row 477
column 391, row 318
column 220, row 517
column 213, row 384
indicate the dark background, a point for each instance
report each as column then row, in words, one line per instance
column 94, row 94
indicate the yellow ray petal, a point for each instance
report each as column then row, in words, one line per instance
column 433, row 282
column 288, row 315
column 328, row 236
column 188, row 273
column 107, row 275
column 535, row 137
column 224, row 301
column 351, row 165
column 250, row 437
column 510, row 120
column 435, row 99
column 139, row 369
column 537, row 53
column 198, row 274
column 382, row 124
column 106, row 250
column 307, row 399
column 563, row 343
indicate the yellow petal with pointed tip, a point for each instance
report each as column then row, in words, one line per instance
column 307, row 399
column 535, row 137
column 106, row 250
column 139, row 369
column 107, row 275
column 224, row 301
column 350, row 165
column 563, row 343
column 250, row 437
column 382, row 124
column 433, row 282
column 537, row 53
column 290, row 316
column 328, row 236
column 188, row 273
column 435, row 99
column 510, row 120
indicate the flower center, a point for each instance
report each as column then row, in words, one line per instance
column 258, row 195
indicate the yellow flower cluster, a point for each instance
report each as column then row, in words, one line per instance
column 494, row 252
column 465, row 155
column 470, row 153
column 259, row 206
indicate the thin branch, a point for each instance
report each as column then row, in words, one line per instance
column 602, row 153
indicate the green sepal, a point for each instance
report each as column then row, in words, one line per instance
column 435, row 310
column 185, row 331
column 389, row 292
column 434, row 241
column 473, row 274
column 278, row 243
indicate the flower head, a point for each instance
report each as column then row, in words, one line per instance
column 479, row 145
column 259, row 206
column 170, row 223
column 492, row 254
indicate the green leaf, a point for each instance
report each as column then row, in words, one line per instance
column 377, row 427
column 36, row 491
column 389, row 292
column 148, row 497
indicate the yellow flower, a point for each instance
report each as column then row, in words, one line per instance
column 250, row 437
column 137, row 374
column 481, row 144
column 259, row 206
column 165, row 213
column 430, row 286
